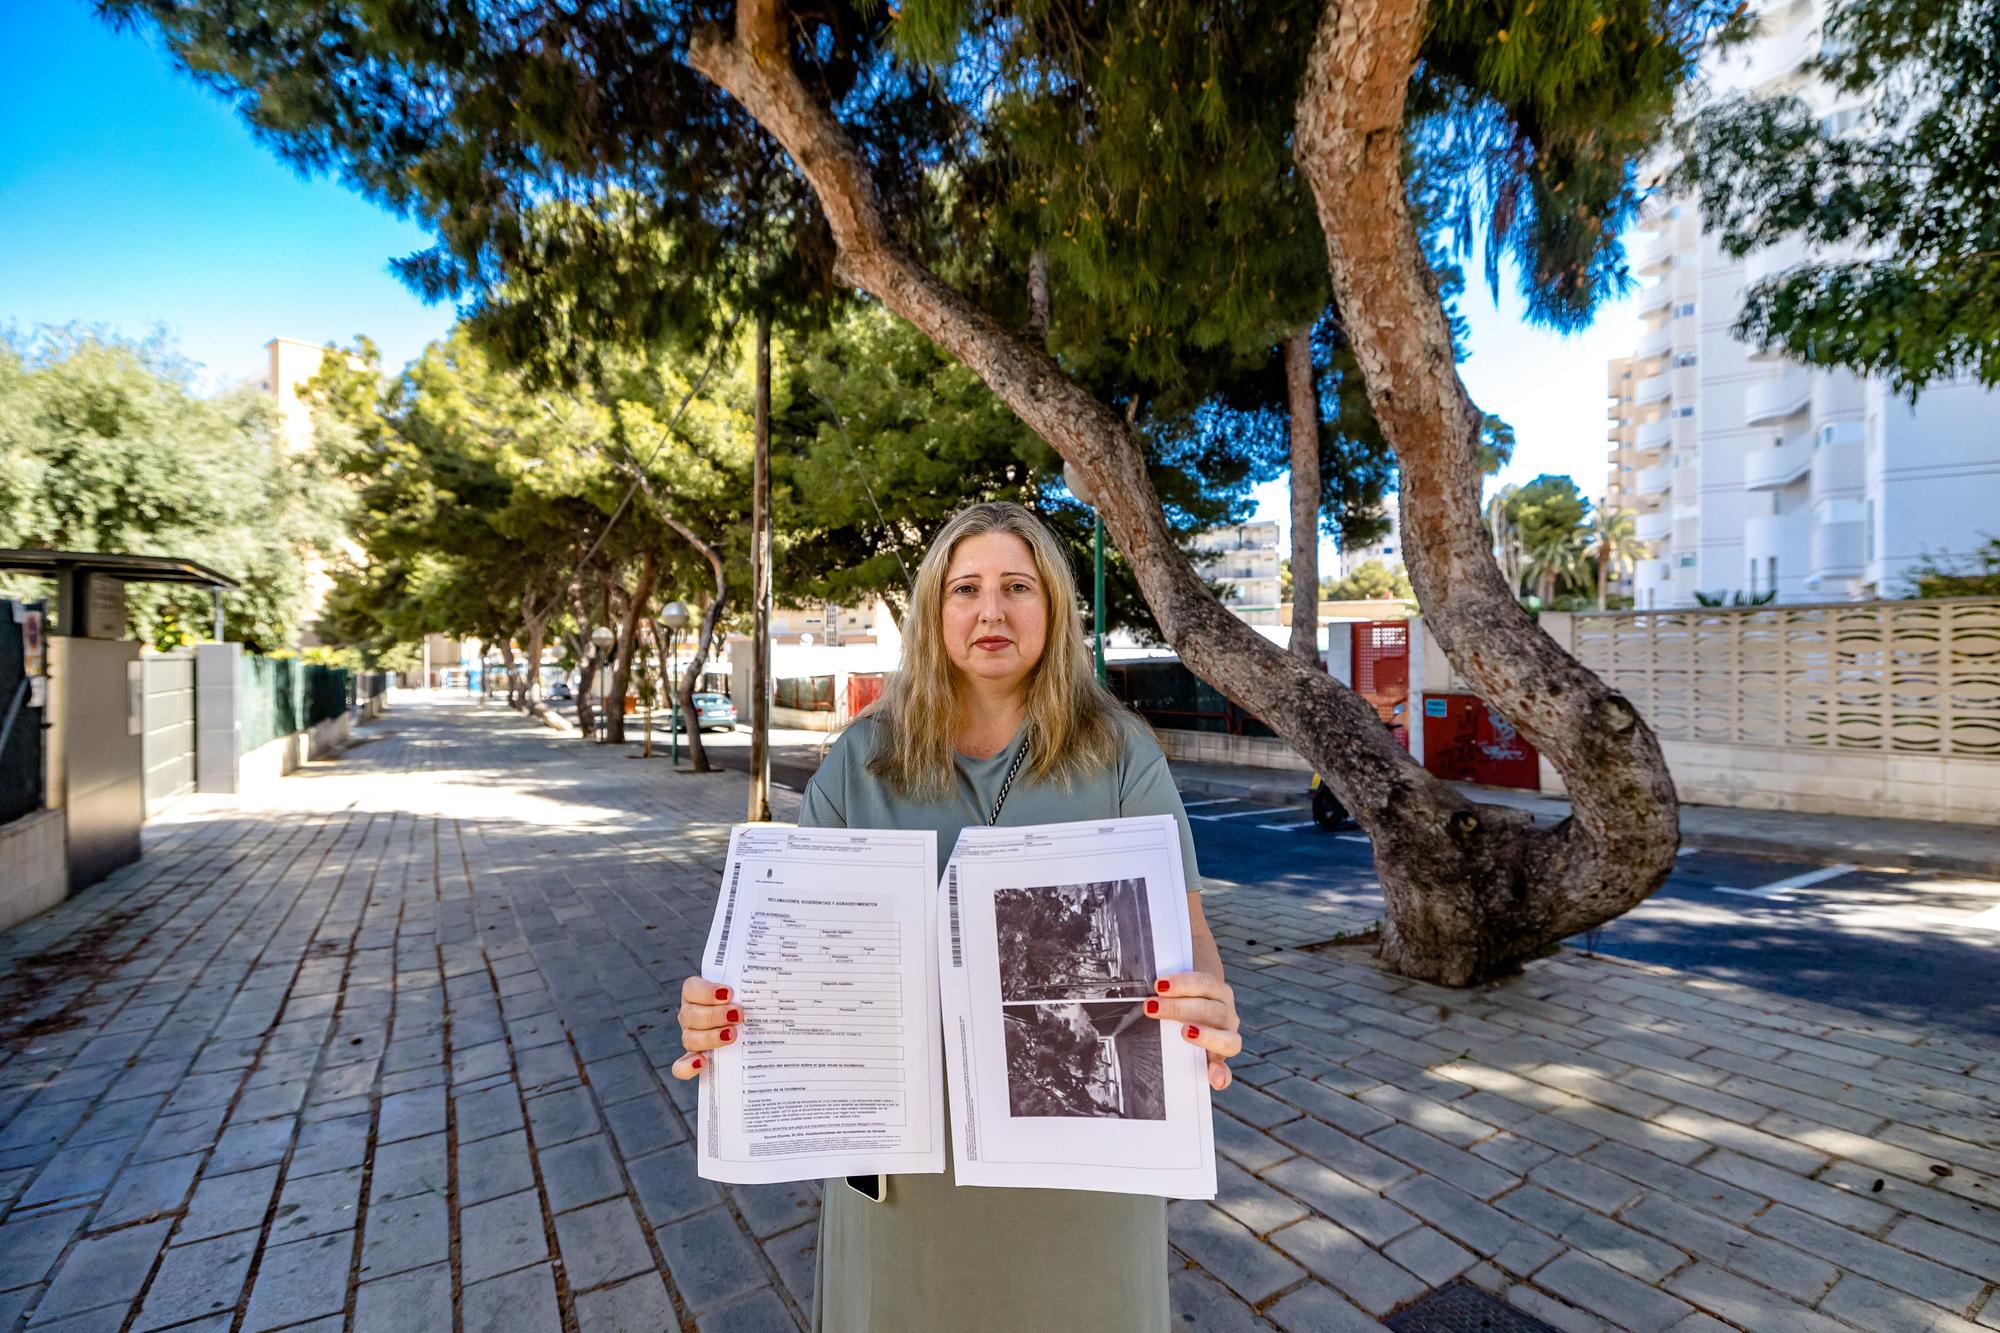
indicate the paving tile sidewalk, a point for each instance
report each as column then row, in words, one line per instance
column 384, row 1050
column 1880, row 844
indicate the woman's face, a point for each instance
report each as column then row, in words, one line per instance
column 996, row 612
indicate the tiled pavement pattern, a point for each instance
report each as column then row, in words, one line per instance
column 385, row 1053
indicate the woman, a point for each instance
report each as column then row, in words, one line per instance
column 994, row 661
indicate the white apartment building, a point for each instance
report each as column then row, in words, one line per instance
column 1244, row 556
column 1388, row 548
column 1750, row 473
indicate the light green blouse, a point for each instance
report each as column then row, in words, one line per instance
column 939, row 1257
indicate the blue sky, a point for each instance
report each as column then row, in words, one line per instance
column 133, row 198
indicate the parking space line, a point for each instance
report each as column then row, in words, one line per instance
column 1219, row 800
column 1355, row 837
column 1782, row 888
column 1237, row 814
column 1286, row 828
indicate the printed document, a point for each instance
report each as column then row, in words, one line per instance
column 827, row 938
column 1049, row 943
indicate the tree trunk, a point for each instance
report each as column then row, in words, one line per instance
column 636, row 603
column 1505, row 890
column 1304, row 394
column 586, row 662
column 760, row 587
column 690, row 679
column 1470, row 891
column 513, row 672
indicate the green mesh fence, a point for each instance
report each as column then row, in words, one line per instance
column 1170, row 696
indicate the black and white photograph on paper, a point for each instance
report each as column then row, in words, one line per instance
column 1099, row 1060
column 1075, row 941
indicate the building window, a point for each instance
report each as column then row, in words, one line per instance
column 1683, row 310
column 1686, row 359
column 1868, row 531
column 1684, row 411
column 1686, row 561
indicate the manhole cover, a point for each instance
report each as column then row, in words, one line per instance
column 1461, row 1307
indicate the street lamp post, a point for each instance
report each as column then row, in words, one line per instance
column 601, row 639
column 675, row 617
column 1083, row 495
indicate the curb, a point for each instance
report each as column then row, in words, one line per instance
column 1698, row 839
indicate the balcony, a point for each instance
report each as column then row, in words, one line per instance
column 1839, row 464
column 1655, row 434
column 1655, row 252
column 1658, row 525
column 1653, row 389
column 1769, row 469
column 1655, row 342
column 1775, row 399
column 1656, row 297
column 1837, row 549
column 1655, row 480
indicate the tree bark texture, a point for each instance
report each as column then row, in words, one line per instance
column 1303, row 392
column 760, row 586
column 1471, row 891
column 1506, row 886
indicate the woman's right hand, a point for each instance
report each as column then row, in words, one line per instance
column 708, row 1020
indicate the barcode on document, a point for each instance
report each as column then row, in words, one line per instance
column 951, row 902
column 728, row 915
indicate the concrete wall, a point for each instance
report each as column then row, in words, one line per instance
column 1214, row 747
column 34, row 874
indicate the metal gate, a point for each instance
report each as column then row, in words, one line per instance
column 863, row 689
column 168, row 710
column 1382, row 664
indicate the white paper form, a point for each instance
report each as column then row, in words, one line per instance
column 1049, row 943
column 828, row 938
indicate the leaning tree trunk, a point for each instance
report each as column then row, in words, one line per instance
column 513, row 672
column 760, row 584
column 1471, row 891
column 1304, row 395
column 636, row 603
column 684, row 688
column 585, row 654
column 1512, row 887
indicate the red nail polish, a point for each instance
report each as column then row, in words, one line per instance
column 721, row 993
column 1160, row 986
column 1152, row 1008
column 728, row 1034
column 733, row 1016
column 1192, row 1032
column 695, row 1063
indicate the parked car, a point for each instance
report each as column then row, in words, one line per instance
column 559, row 693
column 715, row 712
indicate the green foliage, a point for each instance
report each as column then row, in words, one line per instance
column 1945, row 575
column 104, row 446
column 1542, row 538
column 1736, row 598
column 1371, row 579
column 1899, row 205
column 482, row 494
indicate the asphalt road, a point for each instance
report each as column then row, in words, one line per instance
column 1901, row 946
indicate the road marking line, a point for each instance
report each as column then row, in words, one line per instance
column 1687, row 851
column 1986, row 920
column 1220, row 800
column 1286, row 828
column 1781, row 889
column 1236, row 814
column 1355, row 837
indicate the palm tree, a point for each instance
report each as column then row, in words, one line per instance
column 1562, row 558
column 1615, row 537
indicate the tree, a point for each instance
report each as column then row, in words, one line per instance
column 899, row 159
column 1547, row 520
column 104, row 446
column 1944, row 575
column 1616, row 548
column 1902, row 276
column 1371, row 579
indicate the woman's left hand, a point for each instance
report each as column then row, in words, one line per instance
column 1203, row 1007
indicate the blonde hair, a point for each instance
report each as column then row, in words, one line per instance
column 1072, row 719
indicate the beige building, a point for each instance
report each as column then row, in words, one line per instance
column 832, row 626
column 1245, row 557
column 288, row 364
column 1638, row 435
